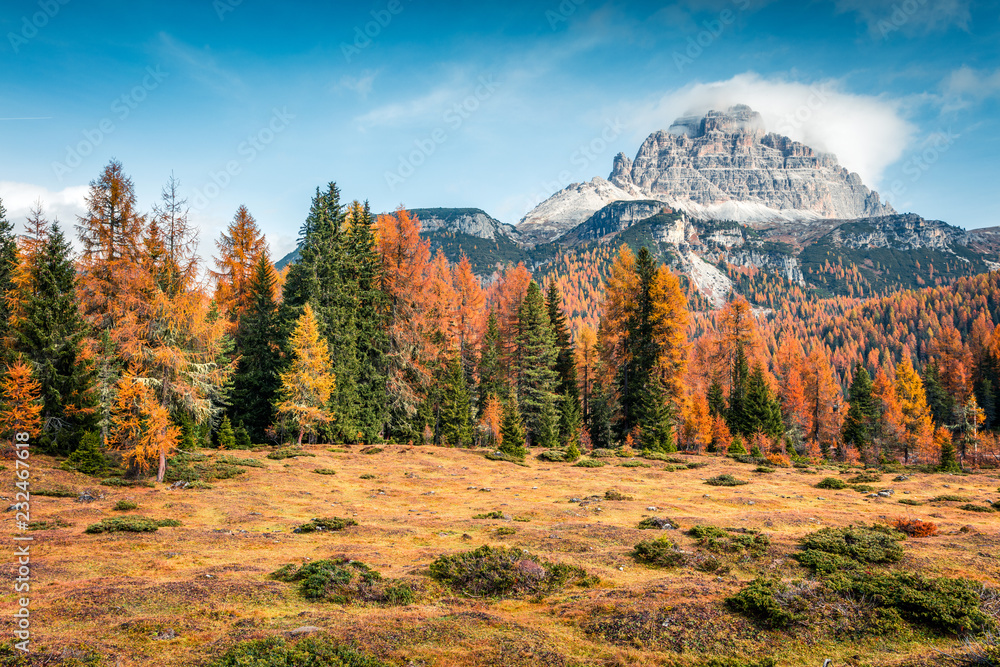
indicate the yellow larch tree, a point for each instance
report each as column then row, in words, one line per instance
column 307, row 384
column 20, row 401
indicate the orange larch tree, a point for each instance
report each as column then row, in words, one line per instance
column 240, row 246
column 822, row 400
column 20, row 402
column 141, row 427
column 470, row 312
column 918, row 438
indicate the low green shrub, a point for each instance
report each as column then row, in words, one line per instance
column 659, row 552
column 720, row 540
column 633, row 463
column 372, row 450
column 552, row 456
column 236, row 461
column 661, row 456
column 654, row 523
column 866, row 478
column 324, row 471
column 55, row 493
column 603, row 453
column 909, row 501
column 767, row 602
column 699, row 531
column 830, row 483
column 832, row 549
column 325, row 525
column 341, row 580
column 47, row 525
column 950, row 606
column 504, row 531
column 495, row 514
column 505, row 572
column 694, row 465
column 589, row 463
column 970, row 507
column 287, row 453
column 125, row 505
column 307, row 652
column 367, row 475
column 337, row 450
column 130, row 524
column 950, row 498
column 763, row 469
column 613, row 494
column 725, row 480
column 122, row 482
column 504, row 456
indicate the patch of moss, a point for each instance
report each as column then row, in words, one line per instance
column 505, row 572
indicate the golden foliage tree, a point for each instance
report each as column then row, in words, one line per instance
column 20, row 401
column 141, row 427
column 240, row 246
column 307, row 384
column 918, row 439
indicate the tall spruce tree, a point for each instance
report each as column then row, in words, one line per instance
column 8, row 264
column 941, row 403
column 490, row 371
column 256, row 381
column 638, row 404
column 736, row 414
column 512, row 432
column 565, row 350
column 763, row 409
column 537, row 378
column 456, row 407
column 716, row 399
column 863, row 414
column 50, row 334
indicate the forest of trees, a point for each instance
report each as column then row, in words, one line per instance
column 135, row 344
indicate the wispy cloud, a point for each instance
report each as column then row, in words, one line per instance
column 966, row 86
column 361, row 85
column 885, row 17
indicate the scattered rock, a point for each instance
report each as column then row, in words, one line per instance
column 166, row 635
column 650, row 509
column 179, row 485
column 89, row 496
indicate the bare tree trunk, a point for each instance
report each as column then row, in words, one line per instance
column 301, row 433
column 163, row 466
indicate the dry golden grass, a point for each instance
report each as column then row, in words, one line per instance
column 207, row 580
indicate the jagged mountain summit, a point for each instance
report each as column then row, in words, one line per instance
column 721, row 166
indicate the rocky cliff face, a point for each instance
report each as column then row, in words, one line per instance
column 471, row 221
column 723, row 166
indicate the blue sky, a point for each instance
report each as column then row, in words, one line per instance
column 490, row 105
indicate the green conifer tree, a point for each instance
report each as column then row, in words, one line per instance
column 456, row 407
column 537, row 378
column 490, row 371
column 941, row 403
column 949, row 462
column 736, row 416
column 763, row 409
column 512, row 432
column 716, row 399
column 863, row 414
column 50, row 335
column 565, row 352
column 256, row 381
column 8, row 264
column 226, row 437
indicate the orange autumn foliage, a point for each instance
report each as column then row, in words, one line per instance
column 240, row 246
column 141, row 428
column 20, row 404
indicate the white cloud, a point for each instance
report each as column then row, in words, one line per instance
column 64, row 205
column 866, row 133
column 967, row 86
column 909, row 17
column 419, row 108
column 361, row 85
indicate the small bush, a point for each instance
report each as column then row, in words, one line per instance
column 372, row 450
column 589, row 463
column 914, row 527
column 659, row 552
column 341, row 581
column 503, row 531
column 235, row 461
column 324, row 471
column 311, row 651
column 241, row 438
column 725, row 480
column 495, row 514
column 830, row 483
column 698, row 532
column 850, row 546
column 287, row 453
column 632, row 463
column 130, row 524
column 599, row 453
column 763, row 469
column 694, row 465
column 866, row 478
column 47, row 525
column 864, row 488
column 55, row 493
column 505, row 572
column 367, row 475
column 88, row 457
column 121, row 481
column 321, row 525
column 909, row 501
column 612, row 494
column 720, row 540
column 552, row 455
column 654, row 523
column 970, row 507
column 504, row 456
column 763, row 600
column 950, row 498
column 125, row 505
column 660, row 456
